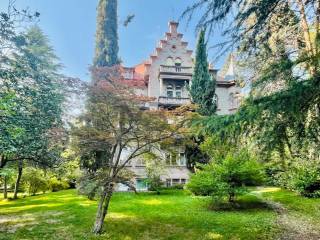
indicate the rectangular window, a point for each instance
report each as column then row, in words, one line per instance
column 141, row 184
column 175, row 182
column 178, row 94
column 170, row 94
column 182, row 159
column 168, row 182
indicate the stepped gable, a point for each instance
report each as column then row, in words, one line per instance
column 172, row 40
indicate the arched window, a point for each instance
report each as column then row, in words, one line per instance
column 169, row 90
column 178, row 62
column 169, row 61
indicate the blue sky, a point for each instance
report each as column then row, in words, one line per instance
column 70, row 26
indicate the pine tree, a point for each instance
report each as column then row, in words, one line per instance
column 107, row 48
column 203, row 85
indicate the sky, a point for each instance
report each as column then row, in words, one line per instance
column 70, row 25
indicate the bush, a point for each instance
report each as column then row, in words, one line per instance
column 227, row 177
column 304, row 178
column 176, row 187
column 56, row 185
column 202, row 183
column 33, row 181
column 154, row 184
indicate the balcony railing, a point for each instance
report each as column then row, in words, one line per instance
column 176, row 70
column 173, row 101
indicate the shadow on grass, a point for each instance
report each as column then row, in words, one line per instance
column 244, row 203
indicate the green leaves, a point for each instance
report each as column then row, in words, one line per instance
column 107, row 48
column 228, row 176
column 203, row 86
column 30, row 99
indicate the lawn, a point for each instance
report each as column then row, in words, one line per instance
column 172, row 215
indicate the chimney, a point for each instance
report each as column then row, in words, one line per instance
column 173, row 27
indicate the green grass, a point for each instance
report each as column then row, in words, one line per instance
column 172, row 215
column 298, row 205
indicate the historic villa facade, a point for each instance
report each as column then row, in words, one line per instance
column 164, row 77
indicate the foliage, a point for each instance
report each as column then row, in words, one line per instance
column 33, row 181
column 37, row 180
column 278, row 54
column 113, row 131
column 31, row 129
column 154, row 169
column 304, row 178
column 193, row 151
column 227, row 177
column 107, row 34
column 202, row 182
column 56, row 185
column 202, row 89
column 7, row 177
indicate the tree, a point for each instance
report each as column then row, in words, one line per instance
column 155, row 167
column 32, row 128
column 278, row 44
column 227, row 177
column 107, row 34
column 203, row 85
column 11, row 41
column 113, row 131
column 7, row 176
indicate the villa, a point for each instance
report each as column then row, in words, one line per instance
column 164, row 77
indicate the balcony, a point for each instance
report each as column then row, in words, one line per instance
column 176, row 70
column 173, row 101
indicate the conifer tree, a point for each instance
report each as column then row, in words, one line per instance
column 106, row 53
column 203, row 85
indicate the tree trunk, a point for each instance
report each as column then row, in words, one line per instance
column 103, row 208
column 3, row 161
column 231, row 197
column 17, row 184
column 5, row 189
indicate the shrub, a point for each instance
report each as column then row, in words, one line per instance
column 304, row 178
column 154, row 184
column 176, row 187
column 33, row 181
column 56, row 185
column 203, row 182
column 227, row 177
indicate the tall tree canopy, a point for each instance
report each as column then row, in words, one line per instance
column 107, row 47
column 34, row 105
column 278, row 44
column 203, row 85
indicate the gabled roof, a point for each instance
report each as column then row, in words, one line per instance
column 173, row 30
